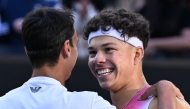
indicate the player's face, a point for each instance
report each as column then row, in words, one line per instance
column 111, row 61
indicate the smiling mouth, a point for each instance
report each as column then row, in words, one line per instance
column 102, row 72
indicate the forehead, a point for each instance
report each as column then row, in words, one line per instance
column 103, row 40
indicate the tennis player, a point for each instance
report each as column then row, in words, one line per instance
column 117, row 40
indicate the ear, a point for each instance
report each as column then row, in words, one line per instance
column 139, row 54
column 66, row 49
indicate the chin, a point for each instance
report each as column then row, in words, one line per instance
column 105, row 86
column 68, row 79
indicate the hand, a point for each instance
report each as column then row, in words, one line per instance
column 162, row 87
column 166, row 92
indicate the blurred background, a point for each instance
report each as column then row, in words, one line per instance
column 167, row 55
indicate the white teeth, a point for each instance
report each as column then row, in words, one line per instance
column 104, row 71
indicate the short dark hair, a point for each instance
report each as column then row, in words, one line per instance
column 131, row 23
column 44, row 30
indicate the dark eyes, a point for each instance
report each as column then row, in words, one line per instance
column 92, row 52
column 106, row 50
column 109, row 49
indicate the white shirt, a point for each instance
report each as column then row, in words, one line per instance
column 48, row 93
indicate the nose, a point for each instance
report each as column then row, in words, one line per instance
column 100, row 58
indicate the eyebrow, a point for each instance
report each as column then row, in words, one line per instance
column 103, row 45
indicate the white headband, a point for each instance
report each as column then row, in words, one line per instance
column 134, row 41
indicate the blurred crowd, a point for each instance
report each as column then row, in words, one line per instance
column 169, row 23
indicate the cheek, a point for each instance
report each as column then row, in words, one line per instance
column 90, row 64
column 121, row 61
column 76, row 53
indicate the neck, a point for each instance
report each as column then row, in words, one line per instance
column 123, row 96
column 52, row 72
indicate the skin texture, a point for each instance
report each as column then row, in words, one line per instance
column 124, row 61
column 106, row 53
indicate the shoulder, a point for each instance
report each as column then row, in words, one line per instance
column 10, row 97
column 86, row 95
column 93, row 99
column 12, row 93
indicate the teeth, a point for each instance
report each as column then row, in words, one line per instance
column 104, row 71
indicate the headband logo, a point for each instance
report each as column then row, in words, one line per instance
column 107, row 30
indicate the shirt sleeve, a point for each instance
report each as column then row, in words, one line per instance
column 100, row 103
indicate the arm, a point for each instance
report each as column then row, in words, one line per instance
column 179, row 104
column 166, row 93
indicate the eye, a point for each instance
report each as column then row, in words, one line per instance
column 92, row 53
column 109, row 49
